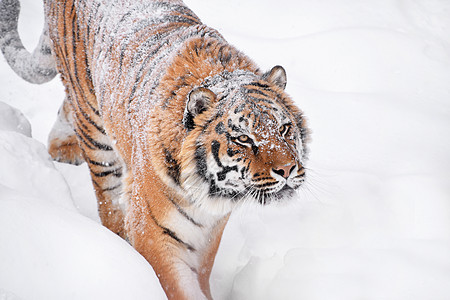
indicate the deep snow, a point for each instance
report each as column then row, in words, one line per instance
column 373, row 221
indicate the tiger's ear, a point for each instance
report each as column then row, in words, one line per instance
column 199, row 100
column 276, row 76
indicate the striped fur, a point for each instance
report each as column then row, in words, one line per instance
column 176, row 125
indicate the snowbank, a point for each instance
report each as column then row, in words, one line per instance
column 373, row 221
column 48, row 250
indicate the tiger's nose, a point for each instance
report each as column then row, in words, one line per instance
column 284, row 171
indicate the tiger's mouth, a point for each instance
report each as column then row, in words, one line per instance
column 282, row 192
column 262, row 193
column 265, row 197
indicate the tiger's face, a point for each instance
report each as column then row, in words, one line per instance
column 247, row 143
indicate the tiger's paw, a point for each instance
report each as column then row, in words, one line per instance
column 66, row 150
column 62, row 141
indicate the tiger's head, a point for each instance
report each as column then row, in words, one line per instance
column 246, row 141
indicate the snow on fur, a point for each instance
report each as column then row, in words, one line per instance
column 373, row 221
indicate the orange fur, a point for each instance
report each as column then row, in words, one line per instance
column 151, row 158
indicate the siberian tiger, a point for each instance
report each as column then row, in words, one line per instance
column 176, row 125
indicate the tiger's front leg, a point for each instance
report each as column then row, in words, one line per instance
column 179, row 241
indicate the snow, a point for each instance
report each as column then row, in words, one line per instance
column 373, row 221
column 13, row 120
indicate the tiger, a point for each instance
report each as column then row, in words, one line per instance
column 177, row 126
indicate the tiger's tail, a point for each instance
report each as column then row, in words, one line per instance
column 36, row 67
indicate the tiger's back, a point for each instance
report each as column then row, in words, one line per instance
column 177, row 128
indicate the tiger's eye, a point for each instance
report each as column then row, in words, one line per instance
column 284, row 129
column 243, row 138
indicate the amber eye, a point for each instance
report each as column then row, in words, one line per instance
column 284, row 129
column 244, row 139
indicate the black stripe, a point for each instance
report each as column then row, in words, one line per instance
column 260, row 85
column 215, row 147
column 232, row 152
column 173, row 94
column 177, row 19
column 173, row 167
column 239, row 108
column 213, row 188
column 116, row 172
column 87, row 117
column 67, row 67
column 184, row 214
column 259, row 186
column 261, row 179
column 80, row 138
column 79, row 122
column 102, row 164
column 220, row 128
column 224, row 58
column 172, row 234
column 64, row 51
column 112, row 188
column 200, row 159
column 169, row 232
column 259, row 92
column 75, row 77
column 223, row 174
column 219, row 114
column 257, row 99
column 89, row 78
column 94, row 143
column 268, row 89
column 100, row 21
column 245, row 169
column 91, row 15
column 96, row 184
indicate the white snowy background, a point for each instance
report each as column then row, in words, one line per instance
column 373, row 221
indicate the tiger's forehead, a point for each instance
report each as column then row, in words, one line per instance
column 258, row 105
column 262, row 115
column 249, row 104
column 248, row 118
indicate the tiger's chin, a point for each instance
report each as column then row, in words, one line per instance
column 225, row 201
column 282, row 195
